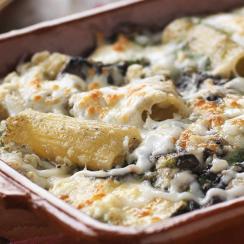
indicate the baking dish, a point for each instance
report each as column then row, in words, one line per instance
column 56, row 36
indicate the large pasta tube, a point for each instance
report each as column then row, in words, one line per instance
column 226, row 56
column 68, row 140
column 130, row 104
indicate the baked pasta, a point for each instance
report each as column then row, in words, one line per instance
column 147, row 127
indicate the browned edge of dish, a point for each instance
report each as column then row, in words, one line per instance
column 74, row 35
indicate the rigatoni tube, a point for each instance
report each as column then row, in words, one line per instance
column 226, row 57
column 65, row 139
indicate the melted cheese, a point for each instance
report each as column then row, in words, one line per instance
column 233, row 131
column 39, row 171
column 121, row 203
column 128, row 104
column 30, row 89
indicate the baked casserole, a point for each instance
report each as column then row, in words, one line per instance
column 147, row 127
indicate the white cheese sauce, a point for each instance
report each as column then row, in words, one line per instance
column 194, row 193
column 156, row 142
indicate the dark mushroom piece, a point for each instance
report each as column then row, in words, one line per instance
column 188, row 162
column 187, row 80
column 89, row 70
column 208, row 180
column 182, row 161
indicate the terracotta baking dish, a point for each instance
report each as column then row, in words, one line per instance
column 27, row 210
